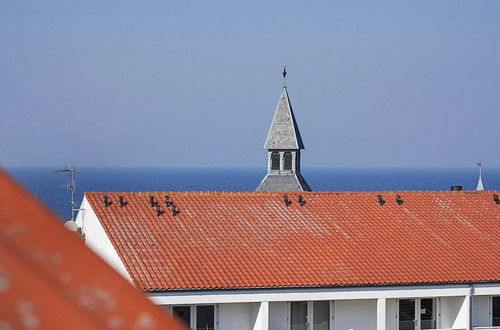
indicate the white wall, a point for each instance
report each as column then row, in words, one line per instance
column 235, row 317
column 481, row 308
column 355, row 314
column 278, row 315
column 97, row 240
column 450, row 308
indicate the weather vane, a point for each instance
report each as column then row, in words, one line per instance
column 284, row 75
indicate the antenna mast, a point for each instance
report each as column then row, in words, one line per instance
column 69, row 169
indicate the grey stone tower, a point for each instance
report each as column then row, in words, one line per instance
column 283, row 146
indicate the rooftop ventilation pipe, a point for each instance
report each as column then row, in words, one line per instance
column 106, row 201
column 159, row 211
column 175, row 211
column 122, row 201
column 286, row 200
column 380, row 200
column 496, row 199
column 399, row 200
column 456, row 188
column 168, row 202
column 301, row 200
column 152, row 201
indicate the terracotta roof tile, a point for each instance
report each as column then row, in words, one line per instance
column 253, row 240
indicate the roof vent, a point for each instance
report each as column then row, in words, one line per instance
column 301, row 200
column 122, row 201
column 106, row 201
column 399, row 200
column 456, row 188
column 286, row 200
column 168, row 202
column 174, row 209
column 496, row 199
column 380, row 200
column 152, row 201
column 159, row 211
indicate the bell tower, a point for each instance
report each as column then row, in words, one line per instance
column 283, row 146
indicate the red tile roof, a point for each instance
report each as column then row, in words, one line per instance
column 253, row 240
column 50, row 280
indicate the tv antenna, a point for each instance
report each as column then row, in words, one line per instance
column 69, row 169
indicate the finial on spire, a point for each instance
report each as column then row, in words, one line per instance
column 480, row 185
column 284, row 75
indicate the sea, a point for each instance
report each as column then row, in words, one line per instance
column 49, row 186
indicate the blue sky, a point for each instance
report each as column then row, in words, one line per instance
column 181, row 83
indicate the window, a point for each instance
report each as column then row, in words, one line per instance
column 407, row 314
column 427, row 314
column 287, row 159
column 298, row 315
column 205, row 317
column 196, row 317
column 418, row 313
column 182, row 313
column 321, row 315
column 495, row 311
column 275, row 160
column 305, row 313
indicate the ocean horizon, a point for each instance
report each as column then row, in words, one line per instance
column 48, row 186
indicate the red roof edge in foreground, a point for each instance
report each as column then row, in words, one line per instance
column 50, row 280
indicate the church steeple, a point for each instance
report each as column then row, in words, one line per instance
column 480, row 185
column 283, row 144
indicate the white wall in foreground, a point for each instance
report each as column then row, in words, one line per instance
column 97, row 240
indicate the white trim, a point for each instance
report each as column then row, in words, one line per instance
column 487, row 289
column 241, row 296
column 192, row 319
column 381, row 313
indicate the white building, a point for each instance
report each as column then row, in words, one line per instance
column 305, row 260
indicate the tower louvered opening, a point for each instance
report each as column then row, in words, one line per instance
column 287, row 159
column 275, row 160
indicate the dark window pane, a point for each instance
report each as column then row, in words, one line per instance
column 427, row 315
column 275, row 160
column 182, row 313
column 496, row 311
column 287, row 159
column 298, row 317
column 321, row 317
column 205, row 318
column 407, row 314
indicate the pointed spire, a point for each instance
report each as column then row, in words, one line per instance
column 284, row 132
column 480, row 185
